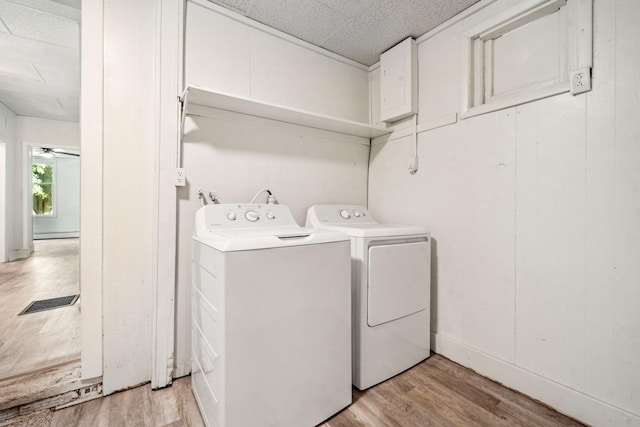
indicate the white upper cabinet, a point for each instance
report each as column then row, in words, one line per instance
column 398, row 88
column 230, row 54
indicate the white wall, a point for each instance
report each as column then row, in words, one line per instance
column 236, row 155
column 49, row 133
column 35, row 132
column 534, row 214
column 7, row 182
column 66, row 221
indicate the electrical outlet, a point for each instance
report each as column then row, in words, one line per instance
column 413, row 164
column 580, row 80
column 180, row 178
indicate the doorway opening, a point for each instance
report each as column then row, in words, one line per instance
column 42, row 340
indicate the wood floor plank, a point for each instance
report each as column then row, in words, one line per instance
column 512, row 403
column 37, row 340
column 23, row 389
column 186, row 403
column 171, row 406
column 459, row 406
column 463, row 389
column 439, row 392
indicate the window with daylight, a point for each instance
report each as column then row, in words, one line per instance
column 43, row 188
column 535, row 49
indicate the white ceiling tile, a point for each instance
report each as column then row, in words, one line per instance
column 357, row 29
column 351, row 8
column 74, row 4
column 60, row 75
column 308, row 20
column 3, row 28
column 365, row 37
column 366, row 50
column 41, row 26
column 18, row 71
column 238, row 6
column 33, row 105
column 34, row 89
column 26, row 50
column 64, row 8
column 39, row 79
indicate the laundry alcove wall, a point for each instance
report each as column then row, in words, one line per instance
column 235, row 154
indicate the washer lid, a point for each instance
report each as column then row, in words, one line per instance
column 245, row 239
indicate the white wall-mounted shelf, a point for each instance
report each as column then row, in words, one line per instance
column 194, row 95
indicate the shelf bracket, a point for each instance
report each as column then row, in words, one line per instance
column 184, row 103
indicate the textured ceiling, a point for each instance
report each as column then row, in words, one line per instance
column 357, row 29
column 40, row 58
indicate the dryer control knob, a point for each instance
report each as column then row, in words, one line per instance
column 251, row 216
column 270, row 215
column 345, row 214
column 356, row 214
column 231, row 216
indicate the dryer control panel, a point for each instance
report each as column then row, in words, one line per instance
column 339, row 214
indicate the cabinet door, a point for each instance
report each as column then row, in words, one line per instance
column 398, row 91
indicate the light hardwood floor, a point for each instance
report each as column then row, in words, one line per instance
column 172, row 406
column 437, row 392
column 39, row 340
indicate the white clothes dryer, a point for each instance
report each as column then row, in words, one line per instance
column 271, row 318
column 390, row 276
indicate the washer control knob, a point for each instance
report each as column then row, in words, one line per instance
column 270, row 215
column 345, row 214
column 356, row 214
column 231, row 216
column 252, row 216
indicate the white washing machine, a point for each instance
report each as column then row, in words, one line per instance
column 390, row 275
column 271, row 318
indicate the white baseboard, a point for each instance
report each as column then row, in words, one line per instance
column 564, row 399
column 62, row 235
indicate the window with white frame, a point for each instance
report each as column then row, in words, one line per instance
column 43, row 176
column 532, row 50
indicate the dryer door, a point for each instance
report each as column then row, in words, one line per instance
column 398, row 282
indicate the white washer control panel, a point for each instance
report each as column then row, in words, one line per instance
column 244, row 215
